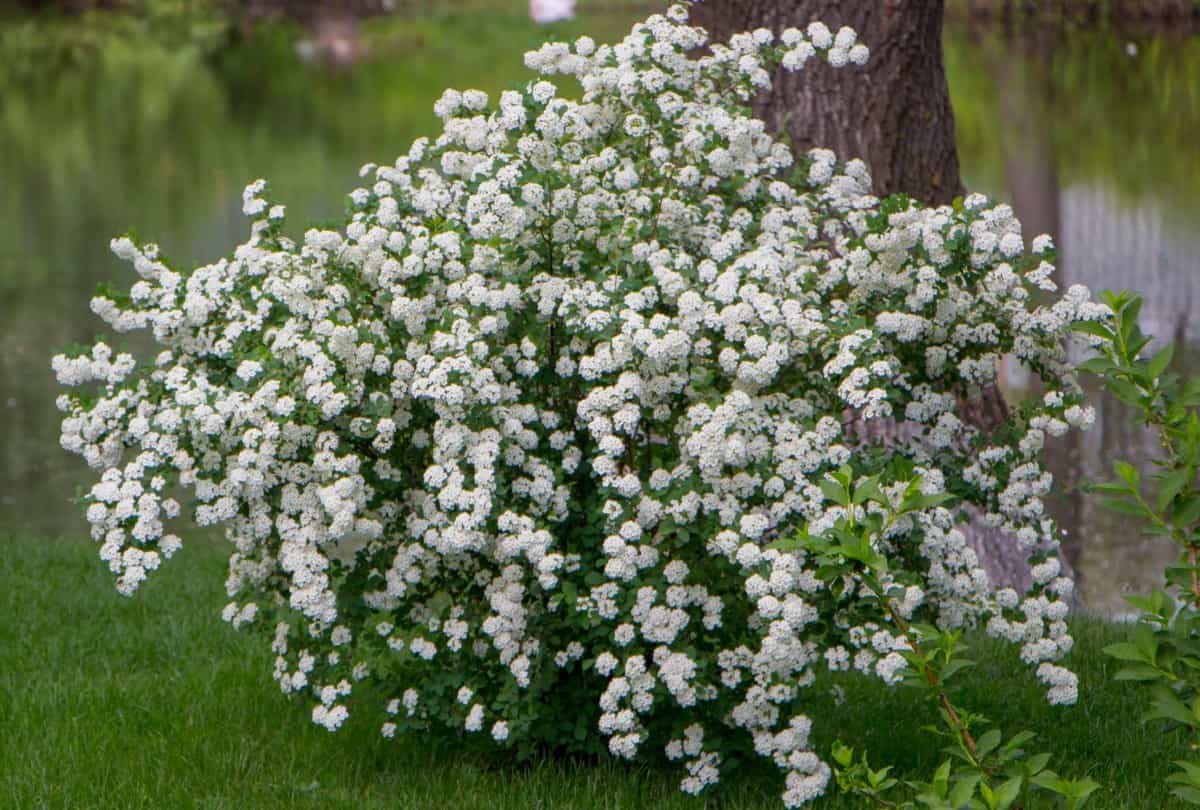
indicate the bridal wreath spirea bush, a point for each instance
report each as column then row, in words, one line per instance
column 507, row 455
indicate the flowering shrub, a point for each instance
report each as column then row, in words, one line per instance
column 520, row 445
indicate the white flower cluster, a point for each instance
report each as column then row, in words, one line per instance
column 517, row 441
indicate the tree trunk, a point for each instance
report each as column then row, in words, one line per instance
column 894, row 113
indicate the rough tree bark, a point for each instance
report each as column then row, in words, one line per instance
column 895, row 114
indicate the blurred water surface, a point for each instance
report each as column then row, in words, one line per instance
column 115, row 127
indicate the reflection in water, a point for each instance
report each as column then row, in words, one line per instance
column 1114, row 244
column 1111, row 232
column 105, row 127
column 1087, row 143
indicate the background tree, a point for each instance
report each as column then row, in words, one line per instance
column 895, row 114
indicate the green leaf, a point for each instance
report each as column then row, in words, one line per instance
column 1106, row 488
column 1048, row 780
column 1125, row 391
column 936, row 499
column 1093, row 328
column 1037, row 763
column 1191, row 772
column 1187, row 512
column 1159, row 362
column 1127, row 473
column 1007, row 793
column 941, row 778
column 869, row 490
column 1191, row 392
column 786, row 544
column 834, row 491
column 1124, row 507
column 1124, row 651
column 1116, row 299
column 985, row 790
column 1158, row 604
column 1017, row 740
column 1170, row 485
column 1097, row 365
column 987, row 743
column 1130, row 314
column 876, row 562
column 1081, row 789
column 878, row 779
column 1138, row 672
column 1188, row 794
column 842, row 754
column 1167, row 706
column 956, row 666
column 963, row 790
column 1146, row 642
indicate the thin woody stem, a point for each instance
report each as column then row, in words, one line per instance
column 1195, row 578
column 930, row 675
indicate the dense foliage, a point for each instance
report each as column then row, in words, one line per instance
column 525, row 444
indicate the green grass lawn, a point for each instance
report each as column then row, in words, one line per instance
column 153, row 702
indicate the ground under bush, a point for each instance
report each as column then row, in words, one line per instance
column 154, row 702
